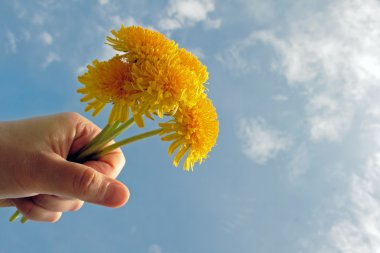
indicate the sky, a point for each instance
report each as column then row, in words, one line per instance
column 296, row 84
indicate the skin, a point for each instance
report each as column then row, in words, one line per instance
column 36, row 177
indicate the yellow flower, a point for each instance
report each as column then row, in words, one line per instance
column 141, row 44
column 153, row 76
column 192, row 130
column 165, row 84
column 109, row 82
column 164, row 74
column 191, row 61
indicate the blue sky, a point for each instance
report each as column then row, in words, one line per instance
column 297, row 163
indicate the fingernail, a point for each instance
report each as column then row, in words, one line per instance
column 116, row 195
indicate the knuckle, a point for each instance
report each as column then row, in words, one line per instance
column 71, row 116
column 28, row 211
column 84, row 181
column 40, row 200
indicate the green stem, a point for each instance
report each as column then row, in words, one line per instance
column 93, row 142
column 107, row 131
column 120, row 129
column 125, row 142
column 112, row 132
column 24, row 219
column 98, row 137
column 14, row 216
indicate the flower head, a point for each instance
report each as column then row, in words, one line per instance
column 192, row 130
column 164, row 75
column 191, row 61
column 153, row 76
column 165, row 84
column 141, row 44
column 109, row 82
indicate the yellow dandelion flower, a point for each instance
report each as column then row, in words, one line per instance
column 154, row 76
column 191, row 61
column 193, row 130
column 109, row 82
column 166, row 83
column 141, row 44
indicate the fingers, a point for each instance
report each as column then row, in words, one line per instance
column 6, row 203
column 56, row 203
column 34, row 212
column 46, row 208
column 85, row 131
column 63, row 178
column 110, row 164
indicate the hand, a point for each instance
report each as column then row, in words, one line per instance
column 36, row 177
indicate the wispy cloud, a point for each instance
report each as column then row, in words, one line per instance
column 38, row 19
column 280, row 98
column 262, row 11
column 334, row 57
column 198, row 52
column 358, row 231
column 300, row 162
column 154, row 248
column 239, row 58
column 50, row 58
column 260, row 142
column 337, row 64
column 11, row 45
column 46, row 38
column 128, row 21
column 103, row 2
column 186, row 13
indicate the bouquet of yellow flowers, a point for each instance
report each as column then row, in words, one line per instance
column 151, row 77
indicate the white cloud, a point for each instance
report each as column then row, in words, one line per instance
column 329, row 118
column 213, row 23
column 38, row 19
column 198, row 52
column 300, row 162
column 358, row 231
column 236, row 57
column 81, row 70
column 185, row 13
column 103, row 2
column 261, row 11
column 46, row 38
column 50, row 58
column 334, row 56
column 191, row 10
column 20, row 9
column 280, row 98
column 261, row 143
column 11, row 45
column 128, row 21
column 169, row 24
column 154, row 248
column 108, row 52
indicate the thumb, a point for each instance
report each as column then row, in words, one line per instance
column 76, row 180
